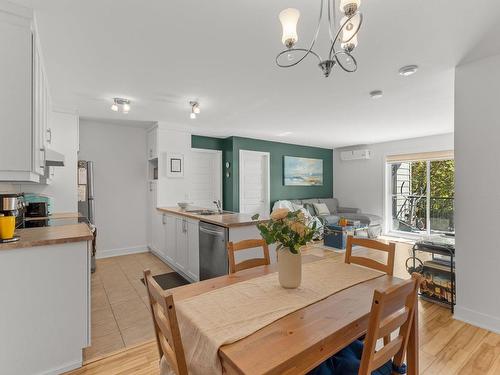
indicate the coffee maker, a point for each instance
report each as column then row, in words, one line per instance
column 13, row 205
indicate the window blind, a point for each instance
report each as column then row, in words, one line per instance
column 435, row 155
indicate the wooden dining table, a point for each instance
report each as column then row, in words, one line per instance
column 300, row 341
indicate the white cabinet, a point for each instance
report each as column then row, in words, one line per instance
column 15, row 96
column 181, row 249
column 181, row 254
column 156, row 220
column 193, row 250
column 25, row 99
column 170, row 238
column 152, row 144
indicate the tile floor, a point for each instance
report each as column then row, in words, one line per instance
column 120, row 308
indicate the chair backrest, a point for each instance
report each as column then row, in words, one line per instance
column 392, row 309
column 166, row 326
column 233, row 247
column 389, row 248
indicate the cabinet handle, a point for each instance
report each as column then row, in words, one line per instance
column 150, row 153
column 49, row 132
column 163, row 219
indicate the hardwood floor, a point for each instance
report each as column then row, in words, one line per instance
column 447, row 346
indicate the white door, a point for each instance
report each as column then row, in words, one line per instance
column 254, row 182
column 205, row 177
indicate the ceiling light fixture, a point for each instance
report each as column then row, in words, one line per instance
column 120, row 104
column 408, row 70
column 346, row 35
column 376, row 94
column 195, row 109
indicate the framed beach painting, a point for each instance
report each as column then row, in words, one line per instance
column 302, row 171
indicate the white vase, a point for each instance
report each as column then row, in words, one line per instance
column 289, row 268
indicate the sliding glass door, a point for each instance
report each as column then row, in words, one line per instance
column 421, row 196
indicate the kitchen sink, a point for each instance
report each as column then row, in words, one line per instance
column 206, row 212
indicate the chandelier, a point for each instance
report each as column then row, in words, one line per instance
column 342, row 43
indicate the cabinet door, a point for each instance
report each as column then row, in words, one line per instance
column 170, row 238
column 193, row 269
column 149, row 218
column 157, row 231
column 16, row 94
column 38, row 115
column 181, row 251
column 152, row 144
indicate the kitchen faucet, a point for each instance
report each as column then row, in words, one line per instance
column 218, row 204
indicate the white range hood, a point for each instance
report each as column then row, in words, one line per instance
column 53, row 158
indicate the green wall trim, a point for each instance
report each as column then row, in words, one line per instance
column 231, row 147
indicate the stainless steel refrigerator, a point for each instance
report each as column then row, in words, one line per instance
column 86, row 199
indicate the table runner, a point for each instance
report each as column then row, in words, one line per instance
column 231, row 313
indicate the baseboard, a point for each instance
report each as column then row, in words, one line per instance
column 491, row 323
column 123, row 251
column 64, row 368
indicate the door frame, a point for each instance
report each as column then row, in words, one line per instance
column 241, row 174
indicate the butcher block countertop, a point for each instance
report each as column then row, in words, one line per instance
column 43, row 236
column 226, row 219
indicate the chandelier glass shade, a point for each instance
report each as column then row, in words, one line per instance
column 342, row 42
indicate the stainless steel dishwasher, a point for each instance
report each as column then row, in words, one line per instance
column 213, row 251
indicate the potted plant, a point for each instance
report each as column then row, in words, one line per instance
column 290, row 231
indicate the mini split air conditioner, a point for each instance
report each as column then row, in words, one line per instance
column 356, row 155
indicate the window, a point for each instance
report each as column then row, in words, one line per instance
column 421, row 193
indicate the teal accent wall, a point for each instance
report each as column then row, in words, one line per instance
column 231, row 147
column 207, row 143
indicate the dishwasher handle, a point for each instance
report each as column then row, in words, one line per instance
column 212, row 232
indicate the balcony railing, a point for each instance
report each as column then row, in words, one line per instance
column 410, row 213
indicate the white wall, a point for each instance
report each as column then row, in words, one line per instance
column 477, row 197
column 119, row 153
column 361, row 183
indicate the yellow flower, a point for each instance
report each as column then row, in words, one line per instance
column 279, row 214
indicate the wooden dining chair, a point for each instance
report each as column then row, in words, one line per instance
column 392, row 309
column 166, row 327
column 389, row 248
column 233, row 247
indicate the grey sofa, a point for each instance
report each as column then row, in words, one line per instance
column 373, row 222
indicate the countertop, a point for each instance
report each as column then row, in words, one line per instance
column 42, row 236
column 228, row 220
column 57, row 215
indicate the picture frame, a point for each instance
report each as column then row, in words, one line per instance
column 175, row 165
column 300, row 171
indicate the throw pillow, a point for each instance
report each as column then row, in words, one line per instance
column 321, row 209
column 310, row 208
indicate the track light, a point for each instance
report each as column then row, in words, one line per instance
column 195, row 109
column 120, row 104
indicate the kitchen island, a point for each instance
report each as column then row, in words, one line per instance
column 45, row 298
column 193, row 241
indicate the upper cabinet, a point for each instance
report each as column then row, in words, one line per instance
column 24, row 96
column 152, row 144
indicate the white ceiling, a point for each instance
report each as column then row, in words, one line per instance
column 162, row 53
